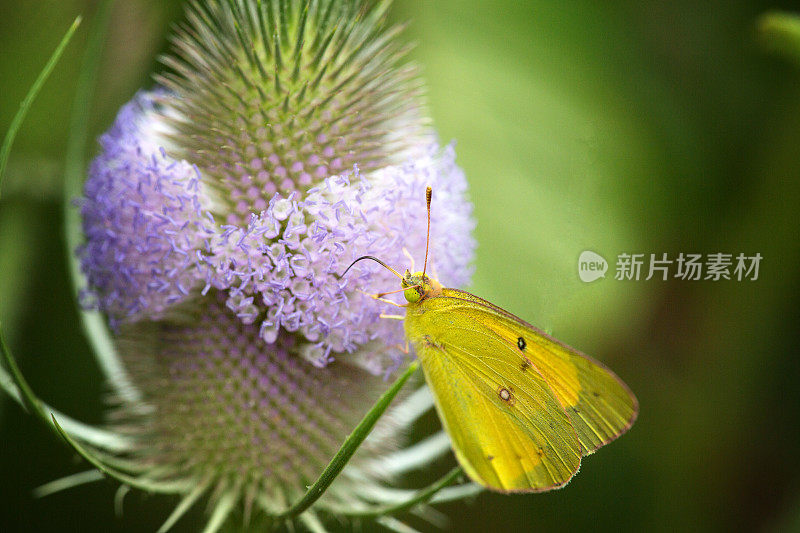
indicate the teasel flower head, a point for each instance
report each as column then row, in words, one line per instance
column 284, row 140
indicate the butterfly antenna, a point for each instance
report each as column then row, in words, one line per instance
column 428, row 195
column 384, row 265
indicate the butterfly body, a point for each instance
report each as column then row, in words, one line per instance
column 521, row 408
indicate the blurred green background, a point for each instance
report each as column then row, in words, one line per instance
column 630, row 128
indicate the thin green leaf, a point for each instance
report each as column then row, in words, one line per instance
column 392, row 496
column 393, row 524
column 312, row 522
column 432, row 516
column 109, row 441
column 141, row 484
column 416, row 456
column 93, row 322
column 221, row 512
column 119, row 499
column 414, row 406
column 5, row 149
column 422, row 496
column 459, row 492
column 185, row 504
column 351, row 444
column 67, row 482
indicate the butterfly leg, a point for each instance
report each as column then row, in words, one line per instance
column 380, row 299
column 403, row 348
column 393, row 317
column 384, row 300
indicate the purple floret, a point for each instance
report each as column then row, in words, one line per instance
column 141, row 213
column 155, row 238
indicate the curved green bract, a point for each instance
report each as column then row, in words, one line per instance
column 139, row 483
column 93, row 322
column 422, row 496
column 11, row 134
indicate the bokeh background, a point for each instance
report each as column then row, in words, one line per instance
column 628, row 128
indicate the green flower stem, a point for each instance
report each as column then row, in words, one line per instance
column 351, row 444
column 422, row 496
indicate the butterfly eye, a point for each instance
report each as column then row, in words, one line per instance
column 412, row 294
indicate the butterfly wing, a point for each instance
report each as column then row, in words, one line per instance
column 507, row 427
column 599, row 404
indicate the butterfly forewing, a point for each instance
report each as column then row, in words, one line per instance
column 599, row 404
column 508, row 428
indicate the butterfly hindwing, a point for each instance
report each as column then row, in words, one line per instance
column 599, row 404
column 508, row 429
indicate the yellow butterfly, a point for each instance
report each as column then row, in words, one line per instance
column 520, row 407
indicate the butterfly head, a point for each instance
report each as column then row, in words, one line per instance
column 419, row 286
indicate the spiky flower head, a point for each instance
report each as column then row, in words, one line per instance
column 287, row 139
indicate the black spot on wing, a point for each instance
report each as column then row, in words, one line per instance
column 521, row 344
column 507, row 395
